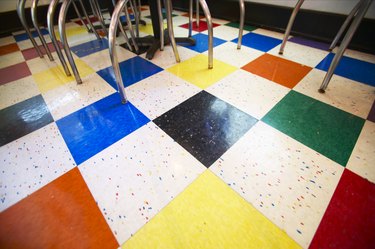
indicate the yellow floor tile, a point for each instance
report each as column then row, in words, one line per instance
column 209, row 214
column 148, row 28
column 71, row 31
column 55, row 77
column 195, row 71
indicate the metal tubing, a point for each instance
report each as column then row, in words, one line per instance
column 135, row 13
column 96, row 11
column 131, row 31
column 161, row 25
column 50, row 24
column 190, row 18
column 34, row 19
column 87, row 18
column 80, row 16
column 242, row 21
column 207, row 14
column 344, row 25
column 112, row 48
column 168, row 10
column 197, row 19
column 365, row 4
column 290, row 24
column 68, row 52
column 21, row 15
column 125, row 36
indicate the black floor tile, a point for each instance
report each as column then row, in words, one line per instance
column 205, row 126
column 22, row 118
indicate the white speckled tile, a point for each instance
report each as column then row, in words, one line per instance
column 288, row 182
column 343, row 93
column 180, row 20
column 182, row 32
column 229, row 53
column 270, row 33
column 38, row 65
column 160, row 93
column 11, row 59
column 219, row 21
column 136, row 177
column 226, row 33
column 71, row 97
column 7, row 40
column 358, row 55
column 363, row 156
column 101, row 59
column 250, row 93
column 25, row 44
column 17, row 91
column 301, row 54
column 166, row 58
column 31, row 162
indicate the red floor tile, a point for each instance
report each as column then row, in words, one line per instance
column 349, row 221
column 10, row 48
column 194, row 15
column 279, row 70
column 92, row 19
column 202, row 26
column 31, row 53
column 62, row 214
column 14, row 72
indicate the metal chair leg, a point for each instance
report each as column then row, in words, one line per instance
column 365, row 4
column 133, row 7
column 207, row 14
column 96, row 11
column 34, row 19
column 62, row 30
column 131, row 30
column 21, row 15
column 290, row 24
column 50, row 24
column 161, row 25
column 168, row 7
column 344, row 25
column 112, row 47
column 242, row 21
column 88, row 19
column 80, row 16
column 197, row 19
column 190, row 18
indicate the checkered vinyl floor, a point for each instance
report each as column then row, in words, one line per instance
column 246, row 155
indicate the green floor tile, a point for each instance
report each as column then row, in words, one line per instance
column 324, row 128
column 236, row 25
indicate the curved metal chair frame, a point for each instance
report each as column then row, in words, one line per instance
column 21, row 15
column 34, row 19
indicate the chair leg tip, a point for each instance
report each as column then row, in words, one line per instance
column 321, row 90
column 281, row 52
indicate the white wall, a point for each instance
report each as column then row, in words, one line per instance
column 332, row 6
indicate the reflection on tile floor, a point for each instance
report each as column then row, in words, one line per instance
column 245, row 155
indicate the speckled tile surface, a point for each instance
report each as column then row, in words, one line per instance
column 291, row 187
column 137, row 184
column 288, row 167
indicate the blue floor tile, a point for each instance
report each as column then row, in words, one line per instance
column 90, row 47
column 24, row 36
column 23, row 118
column 353, row 69
column 133, row 70
column 97, row 126
column 201, row 43
column 259, row 42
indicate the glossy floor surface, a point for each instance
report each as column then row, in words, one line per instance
column 246, row 155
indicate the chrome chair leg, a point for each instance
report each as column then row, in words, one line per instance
column 207, row 14
column 344, row 25
column 197, row 19
column 112, row 47
column 96, row 11
column 62, row 30
column 21, row 15
column 133, row 7
column 161, row 24
column 190, row 18
column 168, row 10
column 88, row 19
column 34, row 19
column 50, row 24
column 290, row 24
column 365, row 4
column 131, row 30
column 242, row 21
column 80, row 16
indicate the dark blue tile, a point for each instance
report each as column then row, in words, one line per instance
column 201, row 43
column 353, row 69
column 23, row 36
column 260, row 42
column 23, row 118
column 205, row 126
column 132, row 70
column 90, row 47
column 97, row 126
